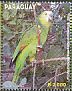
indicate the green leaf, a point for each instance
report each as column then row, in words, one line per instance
column 6, row 15
column 55, row 51
column 13, row 22
column 67, row 8
column 6, row 29
column 13, row 12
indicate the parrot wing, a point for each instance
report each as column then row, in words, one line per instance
column 27, row 51
column 28, row 37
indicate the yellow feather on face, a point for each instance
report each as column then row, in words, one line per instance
column 46, row 18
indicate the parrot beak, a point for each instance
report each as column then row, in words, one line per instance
column 51, row 19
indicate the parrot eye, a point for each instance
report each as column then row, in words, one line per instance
column 45, row 13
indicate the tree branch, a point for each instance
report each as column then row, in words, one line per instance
column 56, row 76
column 28, row 67
column 52, row 79
column 34, row 76
column 45, row 61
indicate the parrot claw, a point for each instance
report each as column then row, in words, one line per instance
column 40, row 46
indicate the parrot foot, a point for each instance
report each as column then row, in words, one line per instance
column 39, row 48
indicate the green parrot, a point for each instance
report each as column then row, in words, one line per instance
column 27, row 46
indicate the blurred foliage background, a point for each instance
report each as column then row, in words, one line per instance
column 16, row 22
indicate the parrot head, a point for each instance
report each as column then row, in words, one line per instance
column 46, row 18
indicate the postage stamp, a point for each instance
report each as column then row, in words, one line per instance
column 35, row 45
